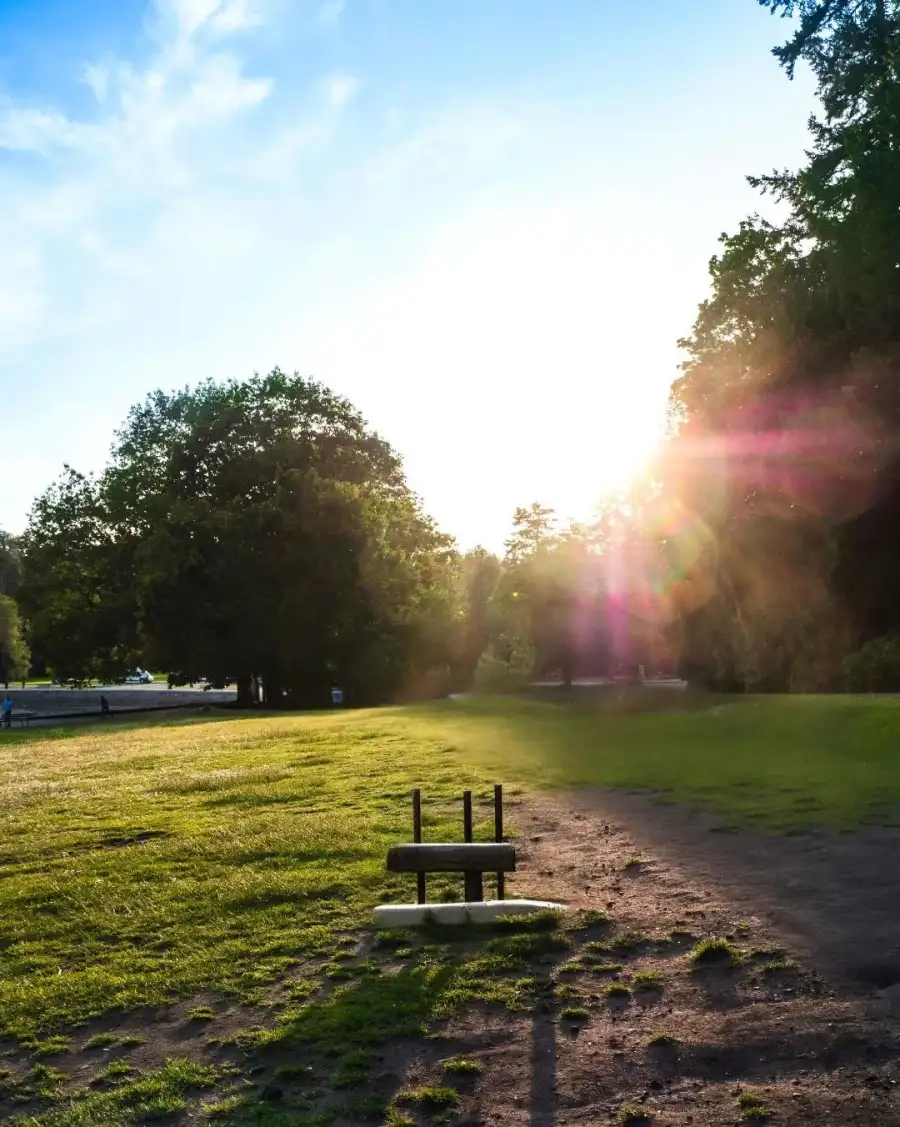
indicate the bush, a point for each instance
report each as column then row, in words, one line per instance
column 875, row 667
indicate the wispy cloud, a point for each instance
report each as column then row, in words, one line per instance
column 149, row 185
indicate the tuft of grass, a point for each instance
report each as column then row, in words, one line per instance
column 114, row 1071
column 102, row 1041
column 201, row 1013
column 630, row 1115
column 663, row 1041
column 648, row 980
column 752, row 1106
column 590, row 917
column 574, row 1013
column 463, row 1066
column 50, row 1046
column 778, row 966
column 430, row 1099
column 547, row 919
column 397, row 1118
column 635, row 863
column 47, row 1081
column 606, row 968
column 294, row 1072
column 626, row 942
column 715, row 952
column 617, row 991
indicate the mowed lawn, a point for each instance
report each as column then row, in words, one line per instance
column 142, row 865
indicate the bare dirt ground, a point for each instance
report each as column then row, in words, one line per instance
column 802, row 1031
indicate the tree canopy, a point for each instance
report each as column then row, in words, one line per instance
column 787, row 412
column 248, row 530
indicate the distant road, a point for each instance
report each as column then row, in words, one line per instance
column 595, row 682
column 52, row 701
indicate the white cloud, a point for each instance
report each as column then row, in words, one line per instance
column 25, row 129
column 96, row 75
column 339, row 89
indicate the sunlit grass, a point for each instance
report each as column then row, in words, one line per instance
column 146, row 864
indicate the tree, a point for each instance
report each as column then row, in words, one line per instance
column 14, row 656
column 10, row 564
column 480, row 573
column 787, row 416
column 253, row 530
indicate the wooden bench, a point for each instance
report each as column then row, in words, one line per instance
column 472, row 859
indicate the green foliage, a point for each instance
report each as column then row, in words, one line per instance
column 15, row 658
column 783, row 473
column 253, row 530
column 10, row 564
column 875, row 667
column 463, row 1066
column 715, row 952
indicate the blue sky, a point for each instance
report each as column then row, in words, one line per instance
column 486, row 222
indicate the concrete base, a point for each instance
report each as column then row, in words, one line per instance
column 479, row 912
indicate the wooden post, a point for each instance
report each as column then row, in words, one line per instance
column 417, row 837
column 474, row 884
column 498, row 835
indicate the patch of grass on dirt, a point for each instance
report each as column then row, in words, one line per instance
column 148, row 1095
column 715, row 952
column 663, row 1041
column 201, row 1013
column 463, row 1066
column 617, row 992
column 648, row 980
column 752, row 1107
column 430, row 1099
column 778, row 966
column 574, row 1013
column 631, row 1115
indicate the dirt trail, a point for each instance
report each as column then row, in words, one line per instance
column 809, row 1049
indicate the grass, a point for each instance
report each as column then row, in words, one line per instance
column 145, row 1096
column 715, row 952
column 663, row 1041
column 752, row 1107
column 630, row 1115
column 617, row 991
column 430, row 1099
column 146, row 865
column 463, row 1066
column 648, row 980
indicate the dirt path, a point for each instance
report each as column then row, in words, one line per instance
column 807, row 1048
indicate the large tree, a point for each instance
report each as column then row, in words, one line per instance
column 788, row 412
column 254, row 530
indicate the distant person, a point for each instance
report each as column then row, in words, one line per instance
column 104, row 706
column 6, row 711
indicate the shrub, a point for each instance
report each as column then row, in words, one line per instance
column 875, row 667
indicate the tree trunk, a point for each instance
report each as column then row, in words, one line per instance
column 245, row 696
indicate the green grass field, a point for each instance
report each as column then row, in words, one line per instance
column 145, row 865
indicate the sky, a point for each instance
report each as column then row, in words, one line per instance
column 485, row 222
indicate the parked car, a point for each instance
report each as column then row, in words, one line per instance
column 139, row 677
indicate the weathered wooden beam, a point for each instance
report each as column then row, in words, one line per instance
column 438, row 857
